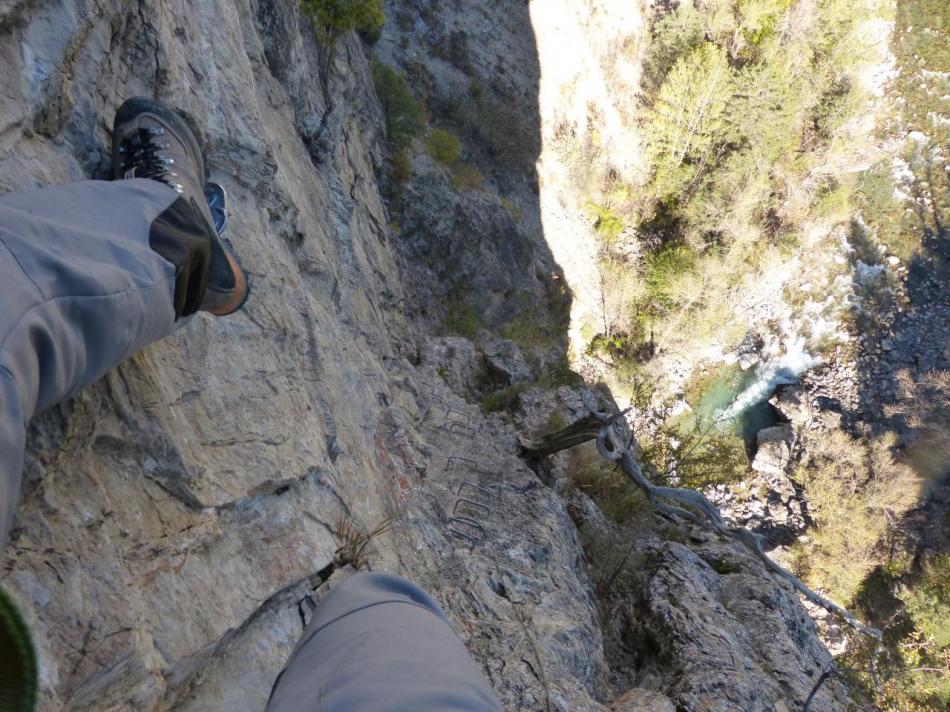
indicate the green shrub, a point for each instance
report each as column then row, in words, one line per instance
column 607, row 225
column 665, row 266
column 400, row 167
column 466, row 177
column 444, row 146
column 618, row 567
column 529, row 331
column 559, row 373
column 334, row 18
column 612, row 346
column 505, row 399
column 611, row 489
column 621, row 349
column 460, row 318
column 405, row 116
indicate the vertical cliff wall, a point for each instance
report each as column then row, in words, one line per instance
column 177, row 516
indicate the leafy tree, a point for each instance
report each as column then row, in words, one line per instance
column 928, row 603
column 766, row 108
column 672, row 36
column 334, row 18
column 405, row 116
column 688, row 121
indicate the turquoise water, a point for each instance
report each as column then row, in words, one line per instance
column 720, row 394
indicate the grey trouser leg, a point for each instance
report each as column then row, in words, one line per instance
column 80, row 290
column 378, row 643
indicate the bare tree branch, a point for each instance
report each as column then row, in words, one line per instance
column 672, row 502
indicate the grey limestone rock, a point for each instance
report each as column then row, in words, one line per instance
column 639, row 700
column 505, row 359
column 454, row 360
column 774, row 450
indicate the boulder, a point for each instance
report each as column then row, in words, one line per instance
column 505, row 360
column 748, row 360
column 793, row 403
column 774, row 449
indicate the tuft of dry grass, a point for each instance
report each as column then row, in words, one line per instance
column 354, row 540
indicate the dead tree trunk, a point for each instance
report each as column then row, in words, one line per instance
column 578, row 432
column 614, row 443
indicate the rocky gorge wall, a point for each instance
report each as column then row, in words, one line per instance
column 178, row 516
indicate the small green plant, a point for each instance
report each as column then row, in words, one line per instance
column 466, row 177
column 460, row 318
column 556, row 421
column 607, row 224
column 559, row 373
column 512, row 208
column 444, row 146
column 400, row 170
column 334, row 18
column 506, row 400
column 405, row 116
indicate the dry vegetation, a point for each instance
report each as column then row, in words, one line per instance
column 857, row 493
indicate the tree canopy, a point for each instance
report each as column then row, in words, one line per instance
column 334, row 18
column 688, row 119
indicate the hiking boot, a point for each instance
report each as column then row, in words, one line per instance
column 149, row 140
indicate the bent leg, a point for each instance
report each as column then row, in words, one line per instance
column 80, row 290
column 378, row 642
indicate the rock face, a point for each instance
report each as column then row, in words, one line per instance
column 640, row 700
column 455, row 360
column 176, row 515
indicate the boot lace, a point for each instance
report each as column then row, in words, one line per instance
column 142, row 158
